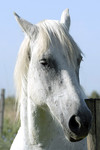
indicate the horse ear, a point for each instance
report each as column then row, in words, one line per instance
column 26, row 26
column 65, row 18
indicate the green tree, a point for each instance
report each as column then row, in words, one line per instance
column 94, row 94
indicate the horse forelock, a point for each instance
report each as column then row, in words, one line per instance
column 48, row 32
column 51, row 31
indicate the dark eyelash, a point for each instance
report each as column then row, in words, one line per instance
column 48, row 64
column 44, row 62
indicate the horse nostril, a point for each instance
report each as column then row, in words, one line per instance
column 79, row 125
column 74, row 123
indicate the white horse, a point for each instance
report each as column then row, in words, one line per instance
column 53, row 113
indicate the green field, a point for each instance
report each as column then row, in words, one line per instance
column 11, row 124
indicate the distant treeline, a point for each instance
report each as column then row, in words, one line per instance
column 94, row 94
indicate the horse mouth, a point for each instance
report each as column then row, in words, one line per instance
column 75, row 140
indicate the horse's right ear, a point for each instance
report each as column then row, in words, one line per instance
column 26, row 26
column 65, row 18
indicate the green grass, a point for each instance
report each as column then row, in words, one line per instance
column 10, row 126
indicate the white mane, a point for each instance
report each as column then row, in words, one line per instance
column 48, row 31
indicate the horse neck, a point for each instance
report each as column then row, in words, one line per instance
column 39, row 130
column 37, row 124
column 24, row 117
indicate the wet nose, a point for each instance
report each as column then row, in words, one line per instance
column 80, row 124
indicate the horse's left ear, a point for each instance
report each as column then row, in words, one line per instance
column 65, row 18
column 26, row 26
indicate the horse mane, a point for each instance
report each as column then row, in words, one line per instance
column 48, row 31
column 20, row 72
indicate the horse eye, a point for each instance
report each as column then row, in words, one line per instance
column 79, row 60
column 44, row 62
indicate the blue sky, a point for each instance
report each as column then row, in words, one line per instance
column 85, row 29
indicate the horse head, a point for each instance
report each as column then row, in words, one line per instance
column 53, row 74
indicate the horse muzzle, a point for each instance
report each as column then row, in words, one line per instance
column 78, row 126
